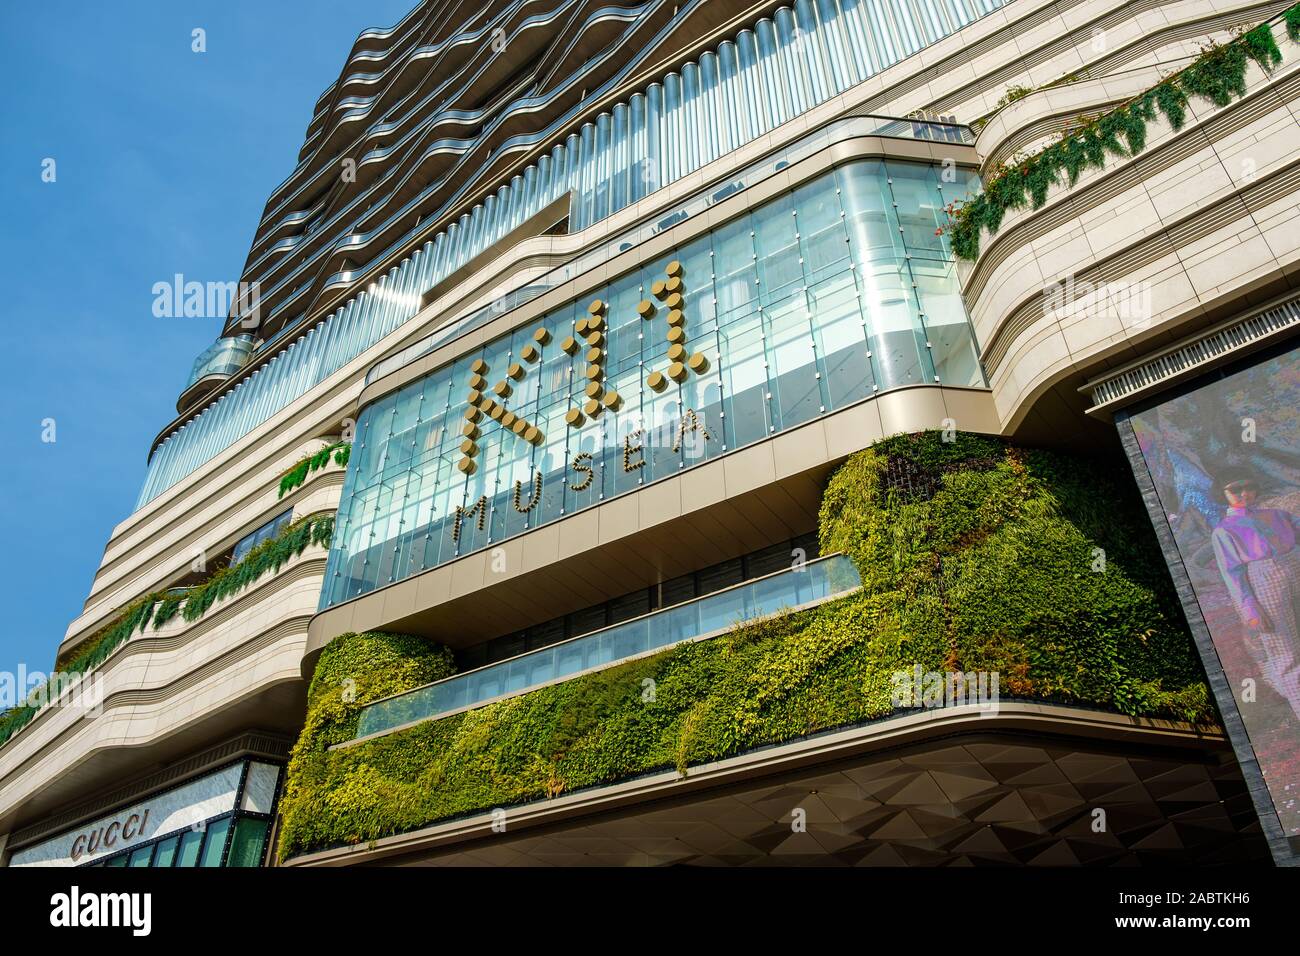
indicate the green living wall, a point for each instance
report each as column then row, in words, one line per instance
column 975, row 556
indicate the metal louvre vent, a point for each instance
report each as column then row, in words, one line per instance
column 1211, row 347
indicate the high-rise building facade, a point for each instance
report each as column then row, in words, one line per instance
column 855, row 431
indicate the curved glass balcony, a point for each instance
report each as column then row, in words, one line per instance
column 223, row 357
column 704, row 617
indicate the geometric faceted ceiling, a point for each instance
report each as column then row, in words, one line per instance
column 986, row 800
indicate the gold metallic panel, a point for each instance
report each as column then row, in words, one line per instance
column 594, row 389
column 497, row 412
column 659, row 289
column 515, row 371
column 478, row 382
column 581, row 326
column 592, row 408
column 674, row 269
column 519, row 426
column 674, row 301
column 698, row 363
column 677, row 371
column 467, row 465
column 502, row 388
column 612, row 400
column 529, row 353
column 593, row 355
column 479, row 367
column 594, row 372
column 677, row 353
column 470, row 430
column 674, row 285
column 472, row 414
column 676, row 334
column 573, row 417
column 533, row 435
column 676, row 317
column 596, row 339
column 657, row 381
column 474, row 397
column 508, row 419
column 596, row 307
column 542, row 336
column 595, row 324
column 645, row 308
column 570, row 344
column 468, row 448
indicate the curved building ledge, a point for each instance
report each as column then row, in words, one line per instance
column 1047, row 742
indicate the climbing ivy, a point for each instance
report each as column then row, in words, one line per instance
column 1217, row 75
column 974, row 556
column 295, row 476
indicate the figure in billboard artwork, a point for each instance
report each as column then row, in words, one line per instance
column 1225, row 461
column 1257, row 555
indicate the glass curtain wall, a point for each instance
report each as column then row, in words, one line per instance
column 821, row 298
column 801, row 56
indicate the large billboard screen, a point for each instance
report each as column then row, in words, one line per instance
column 1223, row 458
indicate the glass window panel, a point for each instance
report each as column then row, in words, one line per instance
column 166, row 853
column 744, row 376
column 777, row 248
column 215, row 842
column 869, row 215
column 919, row 206
column 947, row 328
column 892, row 324
column 792, row 363
column 191, row 843
column 247, row 841
column 840, row 334
column 141, row 856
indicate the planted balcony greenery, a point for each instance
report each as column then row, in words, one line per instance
column 295, row 476
column 159, row 607
column 975, row 556
column 1218, row 75
column 268, row 556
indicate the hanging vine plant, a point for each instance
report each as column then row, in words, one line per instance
column 295, row 476
column 268, row 556
column 1217, row 75
column 159, row 607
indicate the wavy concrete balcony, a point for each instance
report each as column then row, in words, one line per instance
column 166, row 689
column 1198, row 224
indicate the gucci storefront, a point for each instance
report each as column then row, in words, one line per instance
column 220, row 818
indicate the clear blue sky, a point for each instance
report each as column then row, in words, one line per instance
column 164, row 158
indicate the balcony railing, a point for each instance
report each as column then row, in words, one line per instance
column 705, row 617
column 224, row 357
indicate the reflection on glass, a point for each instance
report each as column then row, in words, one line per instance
column 247, row 841
column 166, row 854
column 706, row 616
column 820, row 298
column 215, row 844
column 191, row 841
